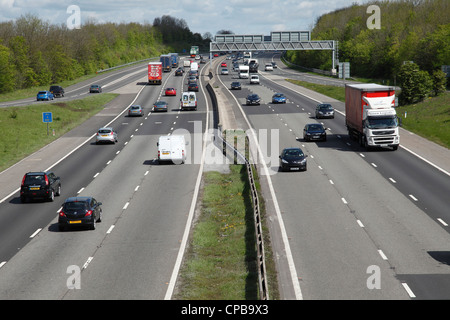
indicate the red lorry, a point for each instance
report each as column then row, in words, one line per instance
column 154, row 72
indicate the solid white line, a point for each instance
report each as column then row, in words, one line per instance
column 35, row 233
column 188, row 226
column 287, row 247
column 408, row 290
column 442, row 221
column 427, row 161
column 383, row 256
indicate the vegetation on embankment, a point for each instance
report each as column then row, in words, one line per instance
column 410, row 30
column 23, row 131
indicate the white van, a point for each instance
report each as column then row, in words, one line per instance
column 172, row 148
column 194, row 66
column 188, row 100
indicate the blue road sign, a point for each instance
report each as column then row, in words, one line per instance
column 47, row 117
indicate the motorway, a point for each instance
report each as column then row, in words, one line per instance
column 146, row 206
column 360, row 224
column 356, row 225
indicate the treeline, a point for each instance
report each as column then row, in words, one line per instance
column 34, row 52
column 411, row 30
column 176, row 33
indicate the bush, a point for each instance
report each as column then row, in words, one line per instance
column 416, row 84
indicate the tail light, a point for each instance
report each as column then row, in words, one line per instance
column 46, row 180
column 61, row 213
column 88, row 213
column 23, row 179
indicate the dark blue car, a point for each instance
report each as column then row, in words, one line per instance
column 278, row 98
column 44, row 95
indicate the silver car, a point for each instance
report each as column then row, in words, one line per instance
column 106, row 134
column 135, row 110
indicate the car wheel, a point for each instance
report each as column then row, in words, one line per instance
column 93, row 225
column 52, row 196
column 100, row 217
column 58, row 192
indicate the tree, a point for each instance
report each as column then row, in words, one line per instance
column 439, row 81
column 6, row 70
column 416, row 84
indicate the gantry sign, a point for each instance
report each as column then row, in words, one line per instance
column 277, row 41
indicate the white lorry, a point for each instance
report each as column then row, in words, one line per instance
column 171, row 148
column 370, row 116
column 244, row 72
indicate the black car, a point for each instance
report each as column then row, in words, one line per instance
column 179, row 72
column 79, row 211
column 40, row 185
column 253, row 99
column 235, row 85
column 324, row 110
column 314, row 131
column 192, row 86
column 57, row 91
column 95, row 88
column 293, row 159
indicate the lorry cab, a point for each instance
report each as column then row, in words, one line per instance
column 171, row 148
column 188, row 100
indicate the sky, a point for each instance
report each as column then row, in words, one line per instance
column 257, row 17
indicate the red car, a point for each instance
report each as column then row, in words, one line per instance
column 171, row 92
column 224, row 64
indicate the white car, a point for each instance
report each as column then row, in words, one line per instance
column 269, row 67
column 224, row 71
column 254, row 79
column 106, row 134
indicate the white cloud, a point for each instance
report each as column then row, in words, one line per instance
column 241, row 17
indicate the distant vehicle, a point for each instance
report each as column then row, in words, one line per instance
column 171, row 92
column 194, row 51
column 278, row 98
column 223, row 64
column 179, row 72
column 174, row 59
column 243, row 72
column 224, row 71
column 154, row 72
column 274, row 65
column 79, row 211
column 186, row 63
column 269, row 67
column 57, row 91
column 293, row 159
column 194, row 66
column 193, row 73
column 324, row 110
column 95, row 88
column 235, row 85
column 160, row 106
column 40, row 185
column 135, row 110
column 370, row 115
column 314, row 131
column 44, row 95
column 193, row 86
column 254, row 79
column 106, row 134
column 253, row 99
column 192, row 79
column 188, row 101
column 166, row 61
column 253, row 65
column 171, row 148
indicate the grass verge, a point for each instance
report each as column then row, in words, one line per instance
column 429, row 119
column 23, row 131
column 220, row 263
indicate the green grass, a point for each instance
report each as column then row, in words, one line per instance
column 220, row 262
column 429, row 118
column 334, row 92
column 23, row 131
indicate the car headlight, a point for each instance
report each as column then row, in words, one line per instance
column 284, row 161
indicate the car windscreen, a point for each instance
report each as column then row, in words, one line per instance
column 104, row 131
column 75, row 206
column 34, row 179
